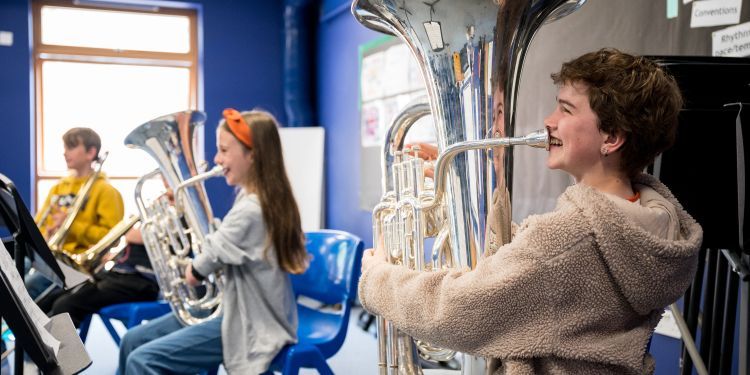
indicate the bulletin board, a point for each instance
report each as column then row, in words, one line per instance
column 389, row 80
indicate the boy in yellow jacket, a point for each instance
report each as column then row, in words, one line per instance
column 101, row 210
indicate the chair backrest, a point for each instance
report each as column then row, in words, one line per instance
column 334, row 268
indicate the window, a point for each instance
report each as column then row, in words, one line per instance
column 112, row 70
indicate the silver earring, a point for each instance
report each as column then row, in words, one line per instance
column 605, row 151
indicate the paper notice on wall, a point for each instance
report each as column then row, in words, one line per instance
column 672, row 8
column 732, row 42
column 715, row 12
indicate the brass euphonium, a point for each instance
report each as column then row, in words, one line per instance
column 57, row 240
column 172, row 233
column 455, row 43
column 88, row 261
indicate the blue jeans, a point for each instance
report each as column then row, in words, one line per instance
column 164, row 346
column 36, row 284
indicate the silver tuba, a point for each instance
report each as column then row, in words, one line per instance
column 172, row 233
column 459, row 45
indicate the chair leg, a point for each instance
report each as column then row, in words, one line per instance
column 305, row 356
column 83, row 329
column 112, row 331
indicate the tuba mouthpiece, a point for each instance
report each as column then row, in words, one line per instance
column 538, row 139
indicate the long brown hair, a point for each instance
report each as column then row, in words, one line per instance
column 267, row 172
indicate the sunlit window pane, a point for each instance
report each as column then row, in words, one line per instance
column 42, row 189
column 115, row 30
column 103, row 89
column 111, row 99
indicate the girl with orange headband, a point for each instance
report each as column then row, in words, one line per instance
column 258, row 244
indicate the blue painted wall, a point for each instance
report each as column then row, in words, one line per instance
column 242, row 68
column 16, row 123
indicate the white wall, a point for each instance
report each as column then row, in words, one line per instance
column 303, row 158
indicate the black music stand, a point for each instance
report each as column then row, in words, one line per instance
column 27, row 241
column 706, row 171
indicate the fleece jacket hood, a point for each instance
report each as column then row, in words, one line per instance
column 578, row 290
column 643, row 242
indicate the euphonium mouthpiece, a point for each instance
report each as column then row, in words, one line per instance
column 539, row 139
column 217, row 170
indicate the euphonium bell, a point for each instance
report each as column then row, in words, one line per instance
column 456, row 43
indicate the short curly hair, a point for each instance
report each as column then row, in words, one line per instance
column 630, row 95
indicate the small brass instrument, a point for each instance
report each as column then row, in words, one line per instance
column 90, row 261
column 57, row 240
column 43, row 217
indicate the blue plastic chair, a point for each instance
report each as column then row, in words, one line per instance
column 331, row 279
column 130, row 314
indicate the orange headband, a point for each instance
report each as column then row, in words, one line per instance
column 238, row 126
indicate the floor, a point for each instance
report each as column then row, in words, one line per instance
column 357, row 356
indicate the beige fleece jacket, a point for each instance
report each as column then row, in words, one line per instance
column 578, row 291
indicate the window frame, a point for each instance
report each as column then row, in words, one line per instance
column 46, row 52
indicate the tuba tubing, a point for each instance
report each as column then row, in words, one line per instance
column 179, row 193
column 89, row 261
column 537, row 139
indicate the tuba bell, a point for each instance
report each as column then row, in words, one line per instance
column 464, row 49
column 172, row 233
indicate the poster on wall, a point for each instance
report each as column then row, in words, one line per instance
column 715, row 13
column 371, row 86
column 390, row 80
column 371, row 119
column 732, row 41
